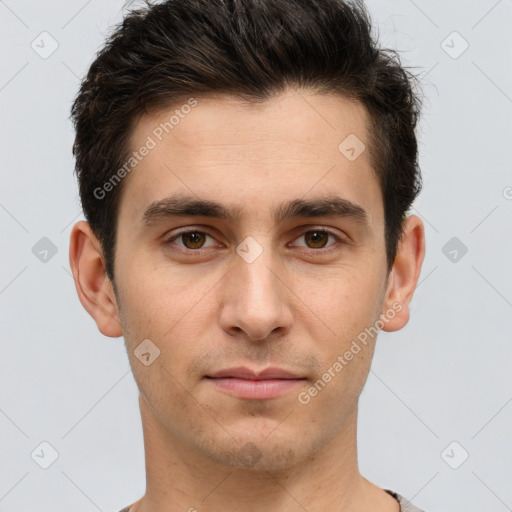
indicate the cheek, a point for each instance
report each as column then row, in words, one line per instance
column 346, row 300
column 168, row 312
column 334, row 395
column 168, row 397
column 163, row 382
column 348, row 303
column 156, row 301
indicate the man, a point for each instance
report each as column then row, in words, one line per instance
column 245, row 169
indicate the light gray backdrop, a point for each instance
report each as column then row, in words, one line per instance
column 436, row 414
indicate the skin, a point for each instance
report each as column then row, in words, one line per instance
column 293, row 307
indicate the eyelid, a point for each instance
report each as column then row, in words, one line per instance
column 339, row 238
column 186, row 230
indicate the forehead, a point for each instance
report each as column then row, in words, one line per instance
column 220, row 148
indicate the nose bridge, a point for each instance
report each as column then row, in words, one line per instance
column 259, row 284
column 255, row 300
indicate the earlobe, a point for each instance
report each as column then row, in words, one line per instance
column 404, row 275
column 93, row 286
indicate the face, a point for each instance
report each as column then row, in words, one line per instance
column 254, row 276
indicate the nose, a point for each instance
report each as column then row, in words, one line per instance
column 256, row 299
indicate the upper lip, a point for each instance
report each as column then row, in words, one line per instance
column 245, row 373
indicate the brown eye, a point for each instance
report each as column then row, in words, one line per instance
column 193, row 239
column 316, row 239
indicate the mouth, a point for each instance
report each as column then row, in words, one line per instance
column 247, row 384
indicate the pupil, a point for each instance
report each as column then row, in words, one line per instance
column 316, row 237
column 195, row 239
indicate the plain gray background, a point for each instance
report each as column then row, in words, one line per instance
column 439, row 391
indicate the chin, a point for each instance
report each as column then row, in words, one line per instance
column 255, row 457
column 257, row 452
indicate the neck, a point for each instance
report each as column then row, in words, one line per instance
column 180, row 478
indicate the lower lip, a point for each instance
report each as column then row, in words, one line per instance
column 255, row 389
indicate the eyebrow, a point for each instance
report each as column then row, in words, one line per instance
column 188, row 206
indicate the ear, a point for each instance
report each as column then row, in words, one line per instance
column 94, row 288
column 404, row 274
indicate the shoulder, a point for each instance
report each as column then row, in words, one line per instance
column 405, row 505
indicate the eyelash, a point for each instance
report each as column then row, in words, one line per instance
column 309, row 250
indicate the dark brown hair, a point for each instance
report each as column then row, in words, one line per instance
column 252, row 49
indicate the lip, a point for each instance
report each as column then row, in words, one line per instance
column 247, row 384
column 243, row 372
